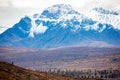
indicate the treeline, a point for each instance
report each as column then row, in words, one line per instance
column 98, row 74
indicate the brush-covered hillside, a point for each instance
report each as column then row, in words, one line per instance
column 11, row 72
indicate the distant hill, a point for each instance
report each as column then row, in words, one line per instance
column 62, row 58
column 11, row 72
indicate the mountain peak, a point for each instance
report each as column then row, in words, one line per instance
column 62, row 6
column 55, row 11
column 105, row 11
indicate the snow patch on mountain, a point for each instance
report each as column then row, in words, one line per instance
column 104, row 16
column 37, row 29
column 24, row 31
column 40, row 29
column 96, row 27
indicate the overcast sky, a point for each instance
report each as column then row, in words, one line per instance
column 11, row 11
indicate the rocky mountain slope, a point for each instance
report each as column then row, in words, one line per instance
column 61, row 25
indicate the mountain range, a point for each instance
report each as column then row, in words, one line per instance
column 60, row 25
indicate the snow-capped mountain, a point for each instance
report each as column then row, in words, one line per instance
column 105, row 16
column 60, row 25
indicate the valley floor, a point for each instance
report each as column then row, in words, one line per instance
column 62, row 58
column 36, row 63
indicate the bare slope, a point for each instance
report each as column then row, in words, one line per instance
column 11, row 72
